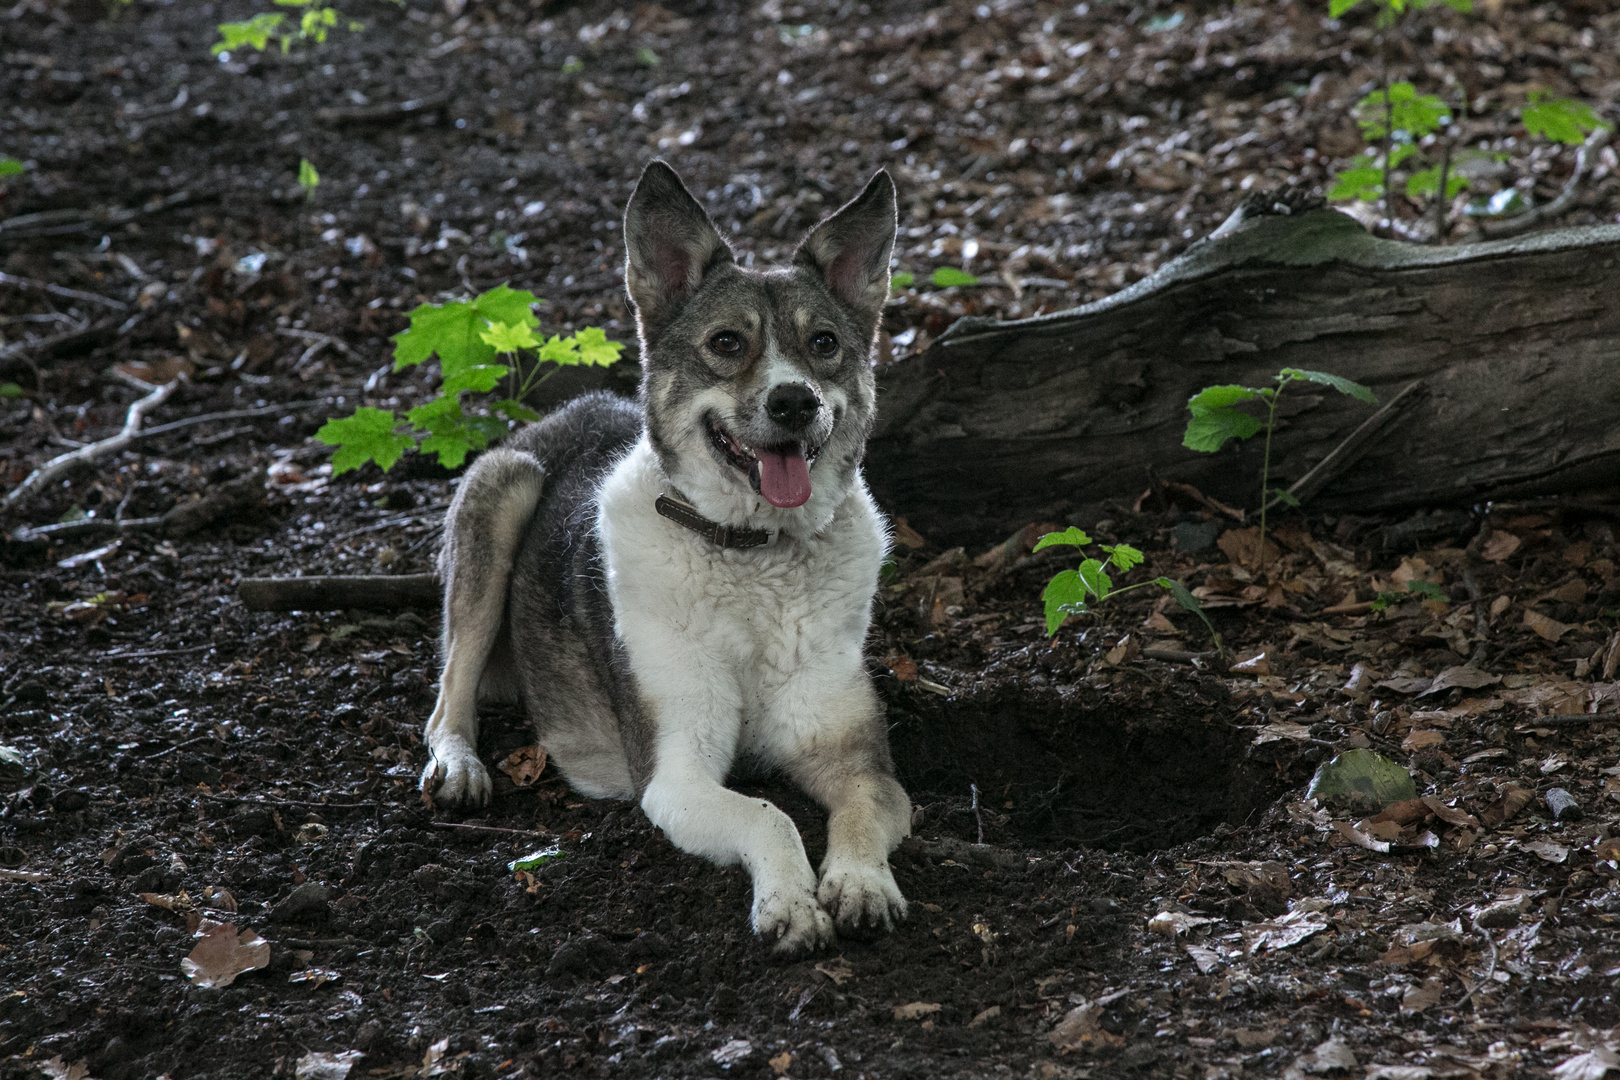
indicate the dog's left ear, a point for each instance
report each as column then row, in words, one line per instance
column 851, row 249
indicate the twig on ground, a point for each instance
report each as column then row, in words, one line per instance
column 1490, row 966
column 132, row 424
column 1494, row 230
column 65, row 528
column 61, row 290
column 376, row 592
column 145, row 653
column 318, row 342
column 1176, row 656
column 229, row 414
column 462, row 826
column 964, row 852
column 978, row 815
column 67, row 337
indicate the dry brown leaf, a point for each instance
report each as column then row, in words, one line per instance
column 1572, row 591
column 1427, row 995
column 1509, row 801
column 837, row 969
column 903, row 668
column 1422, row 740
column 1611, row 656
column 1080, row 1025
column 320, row 1065
column 1415, row 569
column 916, row 1010
column 1469, row 678
column 524, row 765
column 179, row 901
column 221, row 954
column 1546, row 849
column 1500, row 546
column 1451, row 815
column 781, row 1063
column 1124, row 652
column 1258, row 664
column 1361, row 839
column 1243, row 547
column 1551, row 629
column 984, row 1015
column 906, row 536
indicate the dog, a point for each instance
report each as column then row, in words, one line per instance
column 681, row 586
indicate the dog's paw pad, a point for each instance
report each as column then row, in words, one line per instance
column 862, row 899
column 792, row 923
column 454, row 776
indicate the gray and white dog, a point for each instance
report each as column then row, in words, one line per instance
column 684, row 586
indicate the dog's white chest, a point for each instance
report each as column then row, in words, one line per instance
column 752, row 628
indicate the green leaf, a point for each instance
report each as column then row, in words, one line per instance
column 1364, row 180
column 595, row 350
column 1095, row 578
column 10, row 166
column 1563, row 120
column 1123, row 556
column 946, row 276
column 901, row 281
column 482, row 378
column 534, row 860
column 452, row 330
column 506, row 338
column 1427, row 182
column 10, row 390
column 1339, row 7
column 1071, row 535
column 255, row 32
column 647, row 58
column 368, row 435
column 1404, row 110
column 1189, row 602
column 1427, row 589
column 515, row 410
column 1065, row 595
column 1338, row 382
column 1209, row 432
column 1362, row 779
column 308, row 178
column 1219, row 397
column 451, row 446
column 1285, row 496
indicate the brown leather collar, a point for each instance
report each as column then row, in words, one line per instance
column 727, row 536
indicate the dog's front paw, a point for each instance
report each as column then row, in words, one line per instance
column 791, row 922
column 454, row 776
column 862, row 899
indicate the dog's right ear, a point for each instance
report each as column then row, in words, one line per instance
column 670, row 244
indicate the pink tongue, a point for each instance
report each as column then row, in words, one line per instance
column 784, row 476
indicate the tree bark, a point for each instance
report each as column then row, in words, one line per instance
column 1513, row 347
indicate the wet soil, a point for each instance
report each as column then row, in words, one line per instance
column 178, row 757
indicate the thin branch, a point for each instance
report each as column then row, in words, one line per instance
column 62, row 291
column 1344, row 455
column 1492, row 230
column 62, row 462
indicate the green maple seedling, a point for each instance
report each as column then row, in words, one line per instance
column 1216, row 420
column 1071, row 592
column 479, row 343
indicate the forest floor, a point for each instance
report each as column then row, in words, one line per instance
column 1115, row 869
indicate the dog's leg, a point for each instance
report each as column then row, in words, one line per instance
column 701, row 816
column 483, row 528
column 843, row 762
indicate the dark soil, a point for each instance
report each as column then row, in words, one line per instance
column 169, row 742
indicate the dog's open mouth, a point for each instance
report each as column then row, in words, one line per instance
column 780, row 472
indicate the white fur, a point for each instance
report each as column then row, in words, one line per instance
column 752, row 652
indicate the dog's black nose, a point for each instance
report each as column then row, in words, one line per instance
column 793, row 405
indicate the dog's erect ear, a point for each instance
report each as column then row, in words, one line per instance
column 851, row 249
column 670, row 244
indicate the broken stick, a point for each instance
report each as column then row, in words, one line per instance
column 374, row 592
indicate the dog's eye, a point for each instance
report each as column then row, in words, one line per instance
column 823, row 344
column 726, row 343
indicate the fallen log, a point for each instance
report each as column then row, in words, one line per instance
column 379, row 592
column 1508, row 354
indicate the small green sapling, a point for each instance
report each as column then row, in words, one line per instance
column 1216, row 418
column 1071, row 591
column 468, row 336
